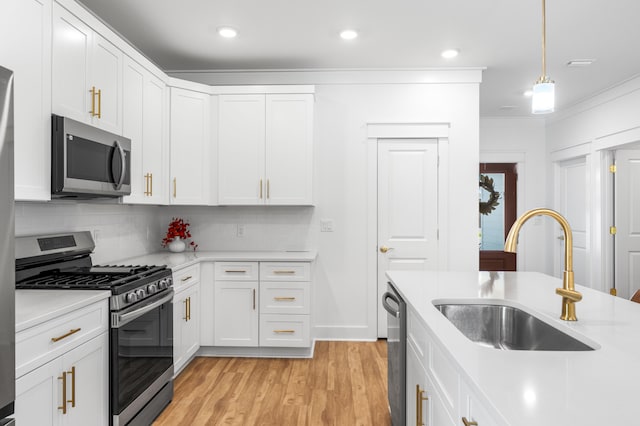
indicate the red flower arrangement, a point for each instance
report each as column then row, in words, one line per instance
column 178, row 228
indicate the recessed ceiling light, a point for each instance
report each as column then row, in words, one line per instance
column 450, row 53
column 227, row 32
column 348, row 34
column 528, row 93
column 580, row 62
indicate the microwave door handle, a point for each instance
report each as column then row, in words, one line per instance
column 123, row 165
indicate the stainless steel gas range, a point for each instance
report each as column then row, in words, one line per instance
column 141, row 309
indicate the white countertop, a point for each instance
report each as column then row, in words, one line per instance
column 34, row 307
column 179, row 260
column 600, row 387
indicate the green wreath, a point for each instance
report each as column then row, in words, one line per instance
column 490, row 205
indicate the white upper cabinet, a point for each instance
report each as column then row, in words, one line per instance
column 25, row 31
column 190, row 158
column 87, row 73
column 144, row 106
column 265, row 149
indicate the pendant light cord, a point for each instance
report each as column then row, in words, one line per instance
column 544, row 42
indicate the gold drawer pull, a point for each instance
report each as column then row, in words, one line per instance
column 287, row 272
column 468, row 422
column 284, row 299
column 63, row 407
column 186, row 278
column 284, row 331
column 57, row 339
column 235, row 271
column 73, row 387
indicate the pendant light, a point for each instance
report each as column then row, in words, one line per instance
column 543, row 98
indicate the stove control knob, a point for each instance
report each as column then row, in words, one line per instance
column 169, row 282
column 162, row 284
column 131, row 297
column 152, row 288
column 140, row 293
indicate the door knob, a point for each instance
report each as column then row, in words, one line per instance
column 384, row 249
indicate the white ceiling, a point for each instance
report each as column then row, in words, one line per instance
column 502, row 35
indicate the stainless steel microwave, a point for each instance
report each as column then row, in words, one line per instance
column 87, row 162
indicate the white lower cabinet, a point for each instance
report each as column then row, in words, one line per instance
column 264, row 304
column 69, row 390
column 186, row 324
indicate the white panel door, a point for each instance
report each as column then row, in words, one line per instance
column 289, row 149
column 106, row 76
column 39, row 394
column 236, row 313
column 407, row 210
column 72, row 44
column 132, row 122
column 241, row 149
column 627, row 220
column 574, row 206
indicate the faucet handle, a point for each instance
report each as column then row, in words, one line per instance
column 572, row 295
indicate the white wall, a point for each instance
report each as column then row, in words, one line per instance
column 119, row 231
column 522, row 141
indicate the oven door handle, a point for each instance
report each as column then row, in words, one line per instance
column 118, row 320
column 123, row 165
column 387, row 307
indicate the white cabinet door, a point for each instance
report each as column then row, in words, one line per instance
column 190, row 147
column 186, row 325
column 416, row 390
column 87, row 369
column 289, row 149
column 86, row 73
column 77, row 381
column 106, row 76
column 143, row 119
column 236, row 313
column 25, row 29
column 72, row 44
column 241, row 149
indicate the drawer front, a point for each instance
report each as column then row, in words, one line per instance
column 284, row 297
column 284, row 330
column 418, row 335
column 185, row 276
column 42, row 343
column 236, row 271
column 285, row 271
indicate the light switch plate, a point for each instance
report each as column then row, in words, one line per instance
column 326, row 225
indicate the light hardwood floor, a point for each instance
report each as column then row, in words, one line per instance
column 344, row 384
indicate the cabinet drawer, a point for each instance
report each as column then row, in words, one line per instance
column 44, row 342
column 285, row 271
column 236, row 271
column 284, row 330
column 185, row 276
column 284, row 297
column 418, row 335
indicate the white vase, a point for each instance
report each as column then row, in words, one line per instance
column 177, row 245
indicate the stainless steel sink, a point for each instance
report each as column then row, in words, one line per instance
column 508, row 328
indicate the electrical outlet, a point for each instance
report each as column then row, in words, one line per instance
column 97, row 234
column 240, row 231
column 326, row 225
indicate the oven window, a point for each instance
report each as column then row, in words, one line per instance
column 140, row 352
column 88, row 160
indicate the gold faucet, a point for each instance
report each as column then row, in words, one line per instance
column 568, row 292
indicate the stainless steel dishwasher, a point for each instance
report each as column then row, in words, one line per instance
column 396, row 353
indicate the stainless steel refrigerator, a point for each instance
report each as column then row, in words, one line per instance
column 7, row 252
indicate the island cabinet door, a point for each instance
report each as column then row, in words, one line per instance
column 476, row 412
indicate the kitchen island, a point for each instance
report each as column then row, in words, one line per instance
column 517, row 387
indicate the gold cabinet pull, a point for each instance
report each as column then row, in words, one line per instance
column 284, row 272
column 469, row 422
column 254, row 299
column 99, row 103
column 420, row 398
column 186, row 278
column 175, row 190
column 151, row 184
column 284, row 331
column 57, row 339
column 189, row 308
column 235, row 271
column 268, row 189
column 284, row 299
column 146, row 184
column 63, row 407
column 261, row 189
column 186, row 310
column 73, row 387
